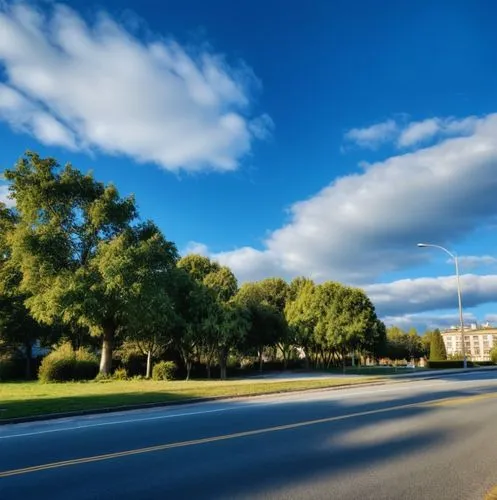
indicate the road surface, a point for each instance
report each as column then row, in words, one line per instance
column 427, row 439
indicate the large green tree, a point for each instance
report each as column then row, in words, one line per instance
column 300, row 318
column 437, row 347
column 267, row 322
column 345, row 319
column 81, row 255
column 220, row 323
column 18, row 329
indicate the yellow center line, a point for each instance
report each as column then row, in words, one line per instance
column 464, row 399
column 236, row 435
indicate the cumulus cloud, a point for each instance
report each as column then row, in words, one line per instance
column 196, row 248
column 74, row 84
column 371, row 137
column 24, row 115
column 407, row 134
column 418, row 132
column 431, row 294
column 363, row 225
column 4, row 196
column 423, row 322
column 476, row 261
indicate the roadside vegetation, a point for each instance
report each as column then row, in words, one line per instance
column 108, row 297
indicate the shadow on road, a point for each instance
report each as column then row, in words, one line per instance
column 363, row 434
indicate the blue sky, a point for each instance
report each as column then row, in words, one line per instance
column 323, row 141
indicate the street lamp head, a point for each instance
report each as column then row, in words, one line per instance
column 422, row 245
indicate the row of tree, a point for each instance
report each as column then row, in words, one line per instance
column 401, row 345
column 77, row 261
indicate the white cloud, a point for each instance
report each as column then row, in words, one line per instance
column 4, row 196
column 467, row 262
column 431, row 294
column 367, row 224
column 196, row 248
column 417, row 132
column 373, row 136
column 24, row 115
column 423, row 322
column 98, row 86
column 491, row 318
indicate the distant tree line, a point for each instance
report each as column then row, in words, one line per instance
column 78, row 263
column 402, row 345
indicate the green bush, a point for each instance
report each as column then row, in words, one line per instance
column 164, row 370
column 54, row 369
column 493, row 355
column 120, row 374
column 64, row 364
column 102, row 377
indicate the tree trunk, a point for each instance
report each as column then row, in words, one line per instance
column 106, row 358
column 343, row 360
column 285, row 360
column 188, row 369
column 261, row 361
column 222, row 363
column 29, row 355
column 149, row 364
column 208, row 368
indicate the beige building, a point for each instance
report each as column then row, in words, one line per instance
column 478, row 342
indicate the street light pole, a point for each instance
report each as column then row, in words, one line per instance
column 459, row 299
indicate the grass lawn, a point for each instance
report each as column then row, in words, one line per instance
column 23, row 399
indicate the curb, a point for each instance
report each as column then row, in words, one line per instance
column 143, row 406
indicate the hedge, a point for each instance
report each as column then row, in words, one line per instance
column 448, row 364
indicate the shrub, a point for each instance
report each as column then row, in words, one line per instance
column 493, row 355
column 53, row 369
column 120, row 374
column 164, row 370
column 103, row 377
column 64, row 364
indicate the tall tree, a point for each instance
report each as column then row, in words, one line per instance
column 345, row 319
column 77, row 249
column 196, row 314
column 18, row 329
column 300, row 318
column 437, row 347
column 221, row 321
column 267, row 322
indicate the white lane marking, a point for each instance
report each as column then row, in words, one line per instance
column 282, row 400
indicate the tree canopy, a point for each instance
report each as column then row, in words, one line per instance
column 76, row 259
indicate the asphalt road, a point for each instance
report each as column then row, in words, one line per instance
column 428, row 439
